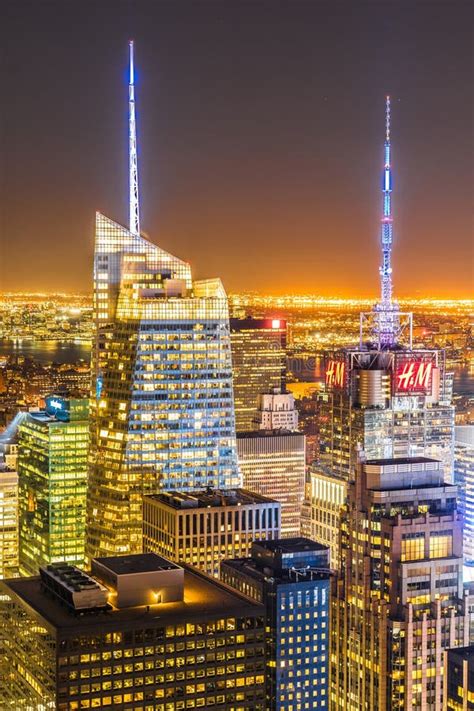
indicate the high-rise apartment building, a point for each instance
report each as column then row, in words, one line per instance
column 459, row 679
column 464, row 478
column 276, row 411
column 162, row 402
column 400, row 600
column 8, row 522
column 272, row 463
column 138, row 632
column 291, row 578
column 205, row 527
column 52, row 473
column 258, row 363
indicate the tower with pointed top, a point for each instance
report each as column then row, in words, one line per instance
column 387, row 311
column 162, row 410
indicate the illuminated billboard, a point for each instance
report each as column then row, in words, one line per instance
column 336, row 374
column 413, row 373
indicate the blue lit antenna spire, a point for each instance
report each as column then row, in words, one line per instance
column 387, row 310
column 132, row 149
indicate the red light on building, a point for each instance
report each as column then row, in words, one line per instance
column 414, row 375
column 276, row 323
column 336, row 374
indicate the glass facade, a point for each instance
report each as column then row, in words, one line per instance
column 52, row 471
column 259, row 364
column 8, row 523
column 162, row 400
column 273, row 464
column 368, row 414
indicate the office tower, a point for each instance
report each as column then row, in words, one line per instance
column 139, row 632
column 52, row 473
column 464, row 478
column 459, row 679
column 324, row 500
column 205, row 527
column 8, row 522
column 291, row 577
column 400, row 600
column 272, row 463
column 258, row 363
column 162, row 402
column 276, row 411
column 385, row 398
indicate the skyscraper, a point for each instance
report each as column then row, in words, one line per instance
column 162, row 401
column 400, row 600
column 464, row 478
column 52, row 473
column 291, row 578
column 273, row 464
column 384, row 398
column 258, row 362
column 459, row 679
column 139, row 632
column 8, row 522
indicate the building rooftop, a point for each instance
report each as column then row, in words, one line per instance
column 210, row 498
column 203, row 598
column 395, row 461
column 291, row 545
column 466, row 653
column 135, row 564
column 255, row 434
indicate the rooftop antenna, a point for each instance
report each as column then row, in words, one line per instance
column 387, row 322
column 132, row 150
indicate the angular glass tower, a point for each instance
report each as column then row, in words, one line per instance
column 162, row 406
column 162, row 402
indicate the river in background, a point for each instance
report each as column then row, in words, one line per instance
column 65, row 352
column 47, row 351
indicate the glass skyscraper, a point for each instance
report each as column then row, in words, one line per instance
column 162, row 401
column 52, row 472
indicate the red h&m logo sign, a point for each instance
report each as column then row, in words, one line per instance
column 414, row 375
column 336, row 374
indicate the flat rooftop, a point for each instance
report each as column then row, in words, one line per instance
column 254, row 434
column 402, row 460
column 291, row 545
column 139, row 563
column 210, row 498
column 204, row 598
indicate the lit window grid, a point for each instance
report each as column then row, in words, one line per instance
column 52, row 466
column 275, row 467
column 259, row 364
column 204, row 537
column 170, row 667
column 168, row 360
column 8, row 524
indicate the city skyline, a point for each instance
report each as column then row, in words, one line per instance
column 317, row 187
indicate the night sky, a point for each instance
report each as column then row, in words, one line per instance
column 260, row 140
